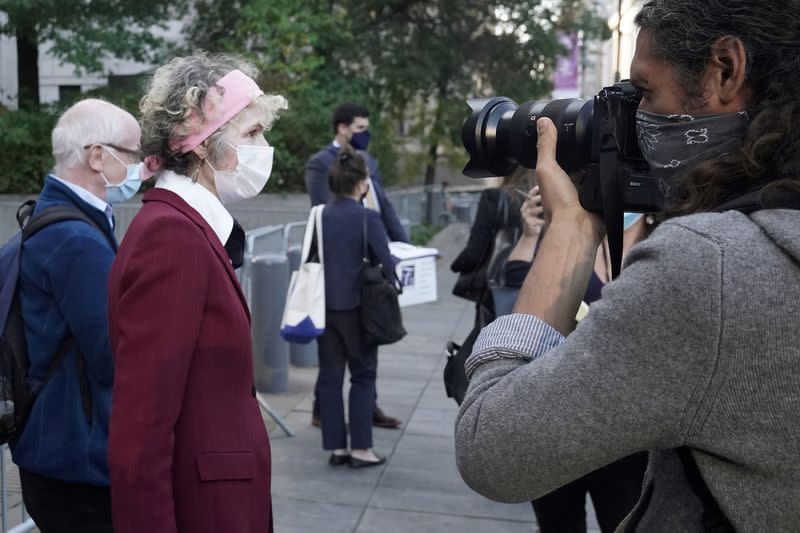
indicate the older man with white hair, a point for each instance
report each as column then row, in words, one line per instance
column 62, row 451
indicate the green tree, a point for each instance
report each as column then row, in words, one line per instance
column 83, row 33
column 433, row 54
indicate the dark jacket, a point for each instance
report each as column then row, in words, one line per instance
column 63, row 290
column 343, row 250
column 488, row 223
column 317, row 171
column 188, row 451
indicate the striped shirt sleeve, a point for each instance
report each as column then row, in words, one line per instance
column 517, row 336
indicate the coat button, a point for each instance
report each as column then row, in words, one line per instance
column 253, row 391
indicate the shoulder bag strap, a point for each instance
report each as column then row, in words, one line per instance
column 318, row 230
column 366, row 242
column 308, row 236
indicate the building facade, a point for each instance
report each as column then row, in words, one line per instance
column 59, row 81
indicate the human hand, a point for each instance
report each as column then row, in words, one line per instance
column 532, row 214
column 559, row 196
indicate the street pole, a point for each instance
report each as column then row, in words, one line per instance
column 618, row 73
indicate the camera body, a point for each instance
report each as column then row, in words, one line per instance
column 597, row 145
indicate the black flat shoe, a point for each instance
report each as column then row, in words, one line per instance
column 338, row 460
column 360, row 463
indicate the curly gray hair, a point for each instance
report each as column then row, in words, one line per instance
column 177, row 90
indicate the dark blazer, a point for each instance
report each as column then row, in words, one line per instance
column 343, row 249
column 317, row 171
column 487, row 225
column 63, row 290
column 188, row 450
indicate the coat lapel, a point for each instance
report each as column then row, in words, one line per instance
column 172, row 199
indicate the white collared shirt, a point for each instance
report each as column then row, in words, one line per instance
column 201, row 200
column 89, row 198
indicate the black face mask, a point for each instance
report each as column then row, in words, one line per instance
column 673, row 143
column 360, row 140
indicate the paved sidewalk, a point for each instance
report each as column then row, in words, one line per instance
column 419, row 488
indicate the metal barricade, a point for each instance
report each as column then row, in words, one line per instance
column 24, row 523
column 264, row 278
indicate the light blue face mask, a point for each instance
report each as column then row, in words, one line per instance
column 631, row 218
column 122, row 192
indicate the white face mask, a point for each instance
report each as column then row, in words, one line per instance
column 250, row 176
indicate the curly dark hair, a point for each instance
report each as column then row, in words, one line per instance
column 684, row 33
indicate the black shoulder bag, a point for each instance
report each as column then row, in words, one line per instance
column 380, row 308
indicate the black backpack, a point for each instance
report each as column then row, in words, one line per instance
column 17, row 391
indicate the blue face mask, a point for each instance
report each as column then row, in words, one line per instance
column 631, row 218
column 360, row 140
column 122, row 192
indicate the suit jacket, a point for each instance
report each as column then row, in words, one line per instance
column 343, row 232
column 188, row 450
column 317, row 170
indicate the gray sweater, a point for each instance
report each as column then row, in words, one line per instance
column 697, row 344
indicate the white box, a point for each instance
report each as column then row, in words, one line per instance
column 417, row 271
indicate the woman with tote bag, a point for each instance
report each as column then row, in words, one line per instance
column 344, row 342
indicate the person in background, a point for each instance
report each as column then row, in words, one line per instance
column 188, row 450
column 692, row 352
column 614, row 488
column 351, row 128
column 63, row 288
column 497, row 224
column 344, row 220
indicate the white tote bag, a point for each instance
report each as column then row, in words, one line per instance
column 304, row 315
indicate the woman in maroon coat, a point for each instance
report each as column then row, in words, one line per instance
column 188, row 450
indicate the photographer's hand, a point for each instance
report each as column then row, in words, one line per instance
column 558, row 279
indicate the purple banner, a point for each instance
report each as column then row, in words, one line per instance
column 565, row 76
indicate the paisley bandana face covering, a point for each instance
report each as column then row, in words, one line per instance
column 673, row 143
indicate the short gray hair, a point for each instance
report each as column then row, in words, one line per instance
column 90, row 121
column 176, row 90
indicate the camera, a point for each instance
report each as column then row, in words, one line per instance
column 597, row 141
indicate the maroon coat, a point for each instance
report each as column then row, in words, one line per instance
column 188, row 451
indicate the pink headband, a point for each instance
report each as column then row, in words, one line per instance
column 219, row 106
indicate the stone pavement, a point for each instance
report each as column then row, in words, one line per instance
column 419, row 488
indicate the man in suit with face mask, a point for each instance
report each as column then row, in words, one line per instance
column 351, row 127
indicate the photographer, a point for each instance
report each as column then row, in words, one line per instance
column 693, row 352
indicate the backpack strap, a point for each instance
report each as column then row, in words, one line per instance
column 30, row 224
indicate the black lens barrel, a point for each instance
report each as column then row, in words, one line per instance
column 499, row 134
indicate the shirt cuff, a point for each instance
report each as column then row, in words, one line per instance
column 517, row 336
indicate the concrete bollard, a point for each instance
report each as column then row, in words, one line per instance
column 302, row 355
column 269, row 278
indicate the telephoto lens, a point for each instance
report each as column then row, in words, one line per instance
column 499, row 135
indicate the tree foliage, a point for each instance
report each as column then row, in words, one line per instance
column 413, row 63
column 83, row 33
column 434, row 54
